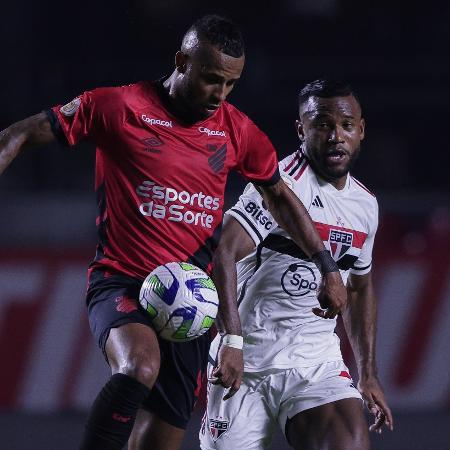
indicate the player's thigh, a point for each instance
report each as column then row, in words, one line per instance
column 333, row 426
column 151, row 432
column 315, row 392
column 121, row 326
column 242, row 422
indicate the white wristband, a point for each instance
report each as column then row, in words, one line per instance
column 233, row 340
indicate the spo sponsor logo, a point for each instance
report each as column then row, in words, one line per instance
column 212, row 132
column 152, row 121
column 258, row 214
column 299, row 280
column 168, row 203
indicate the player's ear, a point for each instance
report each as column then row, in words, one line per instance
column 180, row 61
column 362, row 129
column 299, row 128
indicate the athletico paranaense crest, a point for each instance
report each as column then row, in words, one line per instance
column 217, row 428
column 340, row 241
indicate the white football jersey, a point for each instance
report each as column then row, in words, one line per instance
column 277, row 282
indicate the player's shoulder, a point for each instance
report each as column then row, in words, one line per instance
column 364, row 194
column 234, row 111
column 234, row 115
column 117, row 94
column 359, row 187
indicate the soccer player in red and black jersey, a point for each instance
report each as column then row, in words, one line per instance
column 163, row 153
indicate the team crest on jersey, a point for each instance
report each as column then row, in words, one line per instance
column 217, row 160
column 340, row 242
column 217, row 428
column 70, row 108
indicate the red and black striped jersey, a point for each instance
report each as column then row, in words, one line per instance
column 160, row 182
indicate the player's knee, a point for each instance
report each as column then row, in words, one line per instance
column 141, row 367
column 360, row 438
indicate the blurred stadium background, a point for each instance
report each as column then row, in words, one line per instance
column 395, row 57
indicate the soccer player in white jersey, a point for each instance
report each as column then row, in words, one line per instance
column 294, row 373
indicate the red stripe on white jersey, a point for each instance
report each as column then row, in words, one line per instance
column 291, row 164
column 359, row 237
column 303, row 167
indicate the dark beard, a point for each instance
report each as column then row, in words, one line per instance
column 334, row 173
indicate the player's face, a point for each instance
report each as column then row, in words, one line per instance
column 208, row 77
column 331, row 130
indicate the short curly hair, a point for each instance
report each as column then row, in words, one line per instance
column 220, row 32
column 326, row 88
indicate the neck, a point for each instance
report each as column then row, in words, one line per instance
column 176, row 103
column 339, row 183
column 171, row 94
column 169, row 83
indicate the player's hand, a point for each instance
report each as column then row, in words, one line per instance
column 229, row 370
column 332, row 296
column 375, row 401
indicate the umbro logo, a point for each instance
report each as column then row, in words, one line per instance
column 317, row 202
column 217, row 160
column 152, row 143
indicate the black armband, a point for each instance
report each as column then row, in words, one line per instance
column 56, row 127
column 324, row 262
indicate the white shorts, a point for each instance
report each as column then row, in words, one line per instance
column 248, row 419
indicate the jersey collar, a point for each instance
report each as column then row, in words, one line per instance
column 329, row 188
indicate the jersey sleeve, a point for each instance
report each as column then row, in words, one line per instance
column 251, row 213
column 363, row 264
column 86, row 117
column 258, row 160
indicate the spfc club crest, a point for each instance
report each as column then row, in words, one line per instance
column 340, row 241
column 217, row 428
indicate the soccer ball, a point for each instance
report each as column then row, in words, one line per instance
column 181, row 300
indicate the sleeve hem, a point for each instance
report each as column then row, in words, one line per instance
column 361, row 271
column 270, row 182
column 56, row 127
column 247, row 225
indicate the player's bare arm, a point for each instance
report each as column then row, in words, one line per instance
column 360, row 319
column 31, row 132
column 234, row 245
column 292, row 216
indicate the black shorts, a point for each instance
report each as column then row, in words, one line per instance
column 112, row 301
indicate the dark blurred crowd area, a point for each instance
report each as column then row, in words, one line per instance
column 395, row 54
